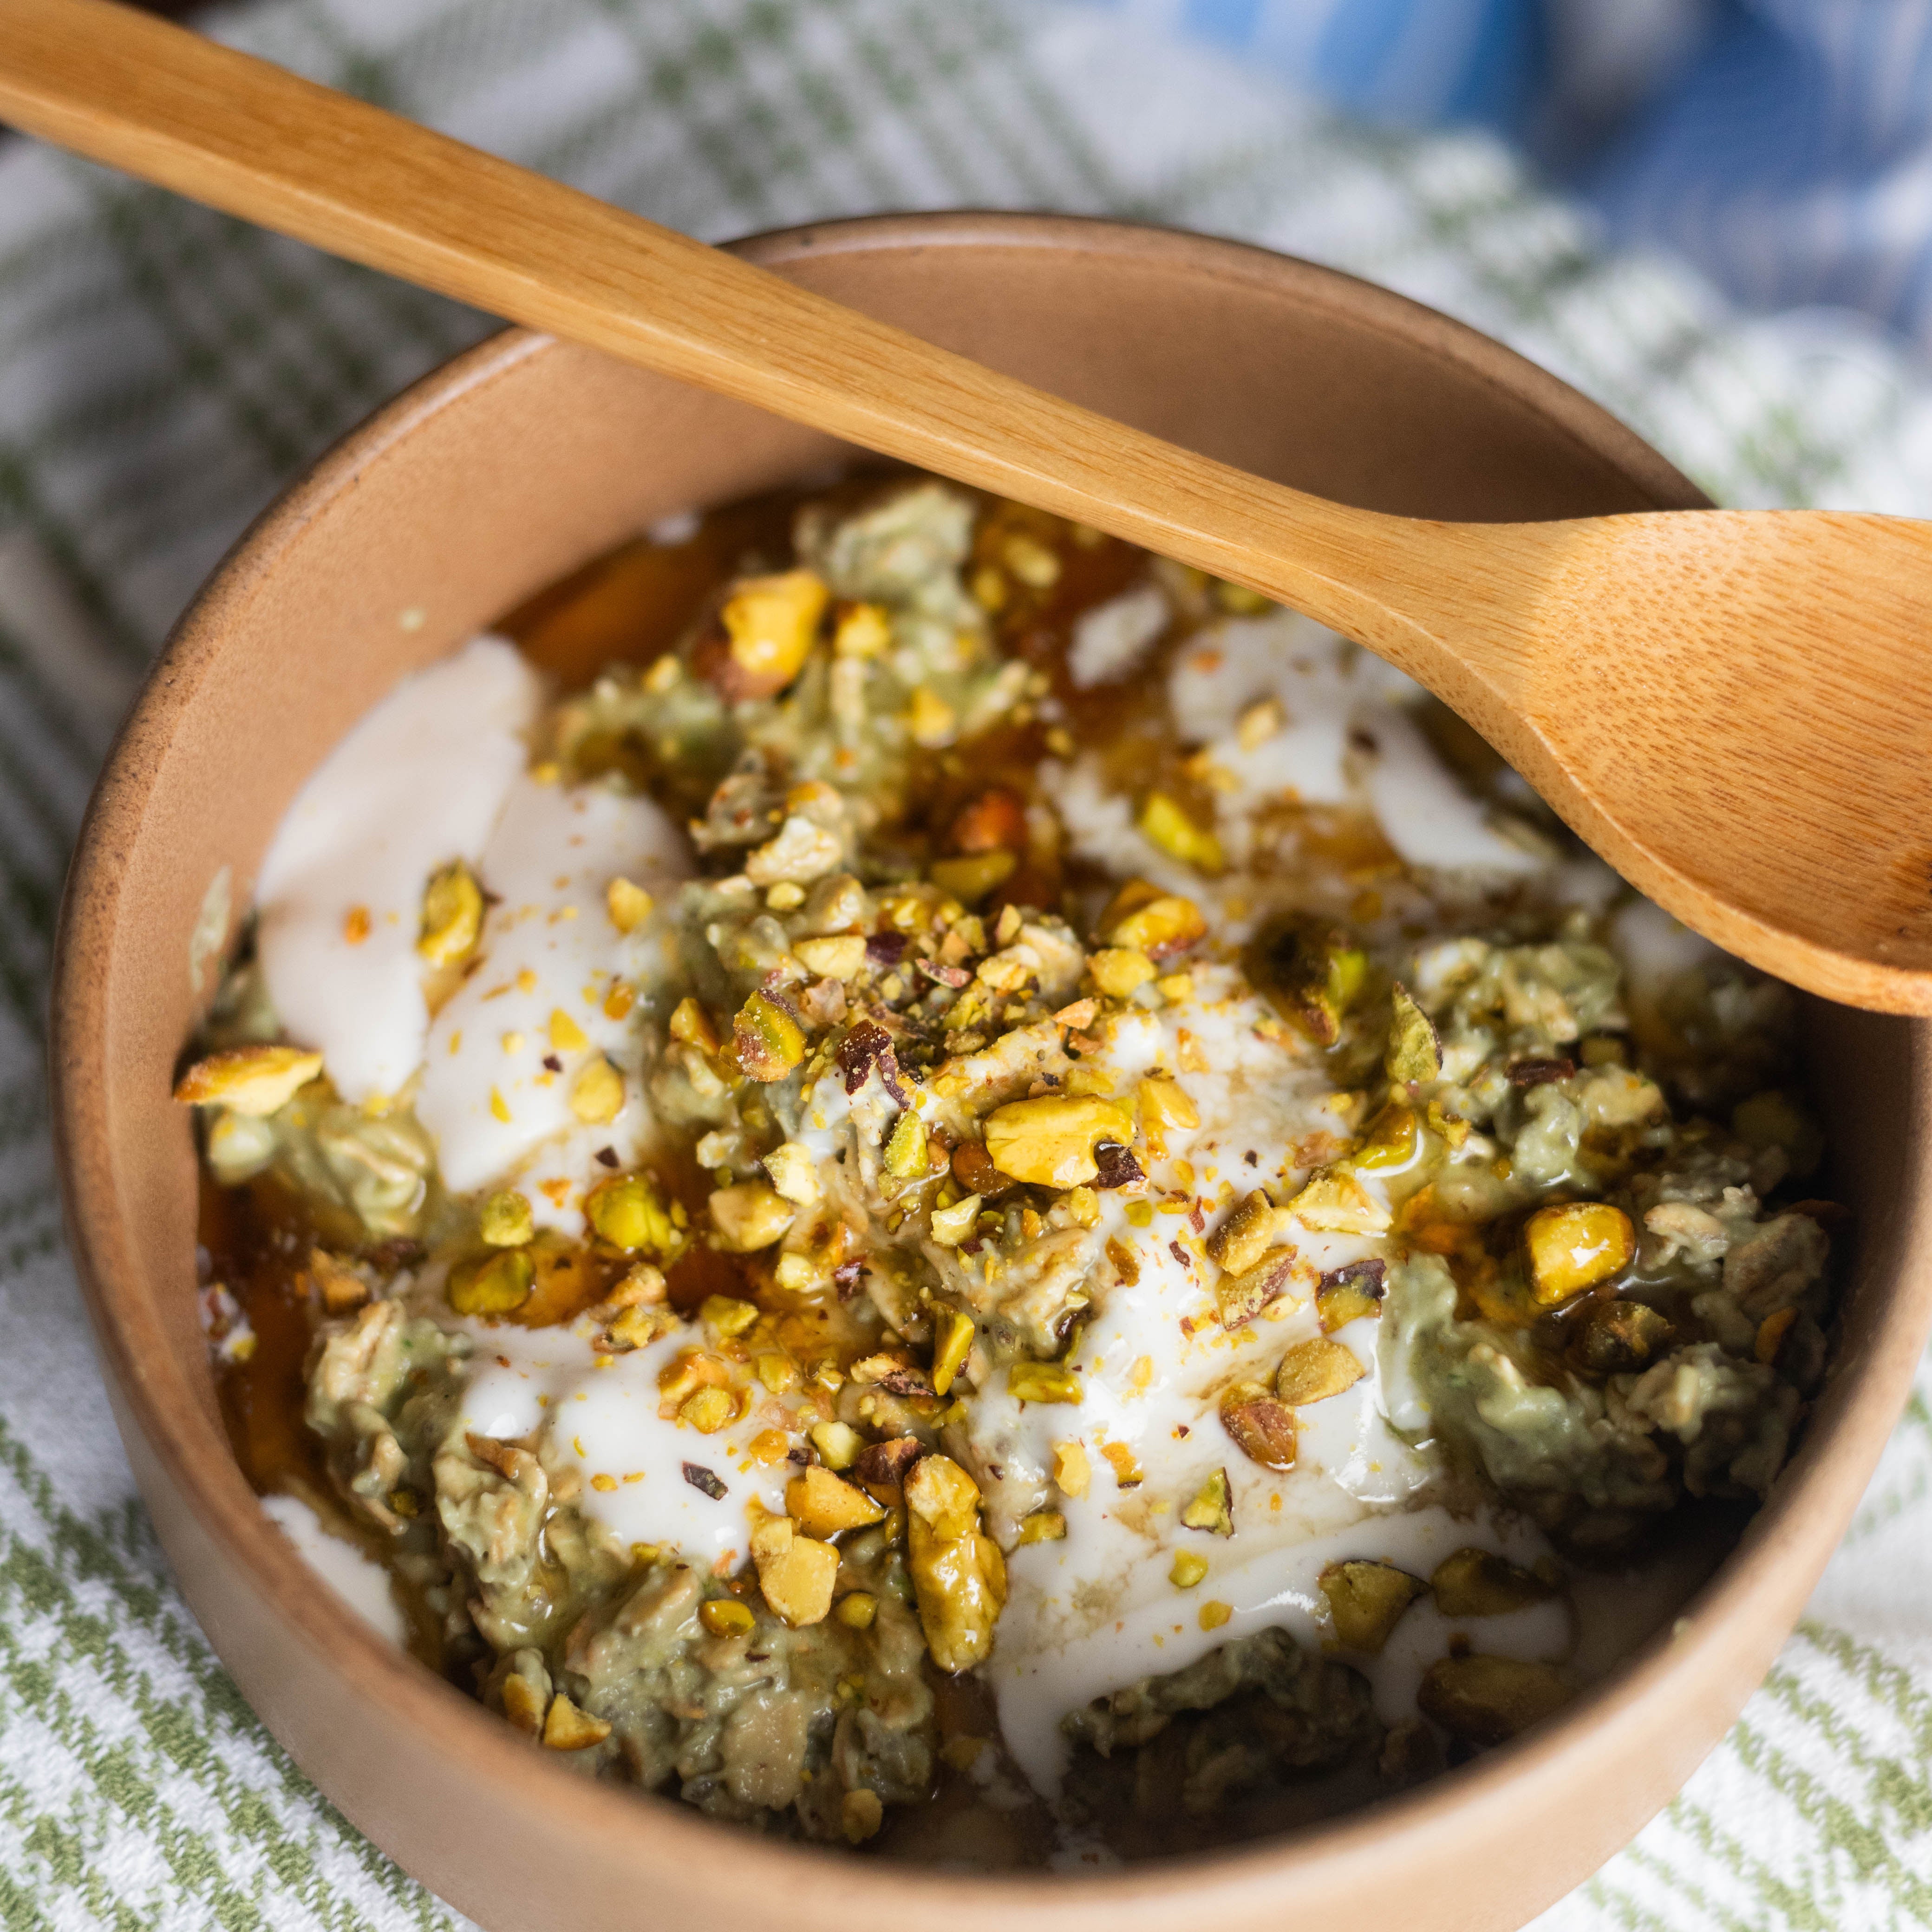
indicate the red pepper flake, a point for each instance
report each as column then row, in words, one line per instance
column 1180, row 1254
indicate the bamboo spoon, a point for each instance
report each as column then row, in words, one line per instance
column 1733, row 708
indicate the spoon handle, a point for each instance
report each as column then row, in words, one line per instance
column 239, row 134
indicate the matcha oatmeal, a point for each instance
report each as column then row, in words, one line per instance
column 937, row 1186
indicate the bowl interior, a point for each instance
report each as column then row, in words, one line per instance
column 502, row 473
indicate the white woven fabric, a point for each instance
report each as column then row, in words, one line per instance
column 163, row 371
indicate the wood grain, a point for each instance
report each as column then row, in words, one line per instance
column 1723, row 704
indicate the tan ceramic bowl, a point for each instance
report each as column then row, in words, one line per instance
column 500, row 473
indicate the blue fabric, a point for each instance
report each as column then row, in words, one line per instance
column 1783, row 145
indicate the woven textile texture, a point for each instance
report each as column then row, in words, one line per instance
column 163, row 371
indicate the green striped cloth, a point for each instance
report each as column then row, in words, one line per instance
column 163, row 371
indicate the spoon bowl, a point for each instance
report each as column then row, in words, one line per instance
column 1705, row 699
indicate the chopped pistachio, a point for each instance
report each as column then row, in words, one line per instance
column 952, row 1225
column 931, row 721
column 1050, row 1141
column 823, row 1504
column 505, row 1221
column 1389, row 1141
column 1030, row 561
column 862, row 631
column 1245, row 1236
column 566, row 1035
column 856, row 1609
column 1160, row 925
column 1042, row 1382
column 1262, row 1428
column 861, row 1812
column 793, row 1173
column 1414, row 1048
column 494, row 1285
column 770, row 623
column 1336, row 1307
column 1258, row 722
column 766, row 1041
column 452, row 915
column 254, row 1081
column 957, row 1574
column 905, row 1150
column 839, row 957
column 970, row 877
column 629, row 904
column 1614, row 1337
column 1366, row 1601
column 1575, row 1246
column 597, row 1093
column 1212, row 1507
column 725, row 1616
column 776, row 1372
column 1313, row 1370
column 952, row 1333
column 749, row 1216
column 1045, row 1526
column 523, row 1702
column 1479, row 1583
column 796, row 1573
column 1165, row 825
column 1334, row 1202
column 1488, row 1700
column 1072, row 1471
column 1119, row 971
column 691, row 1025
column 628, row 1212
column 566, row 1728
column 1239, row 1298
column 1313, row 974
column 1166, row 1104
column 1189, row 1568
column 708, row 1410
column 727, row 1315
column 340, row 1287
column 838, row 1443
column 638, row 1328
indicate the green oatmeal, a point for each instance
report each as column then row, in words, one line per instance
column 933, row 1184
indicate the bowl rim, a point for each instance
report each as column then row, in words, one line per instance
column 176, row 1429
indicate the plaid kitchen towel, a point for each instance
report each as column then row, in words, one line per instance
column 163, row 371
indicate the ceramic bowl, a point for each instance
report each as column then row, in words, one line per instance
column 502, row 472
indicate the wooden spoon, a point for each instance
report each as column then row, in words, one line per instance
column 1733, row 708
